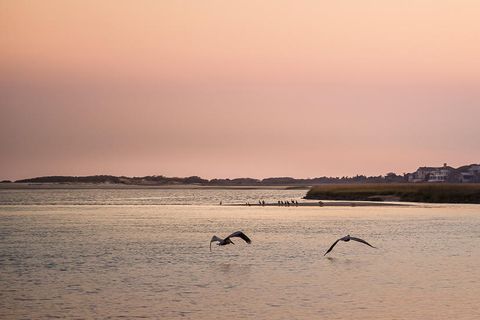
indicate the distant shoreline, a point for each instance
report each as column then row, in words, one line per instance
column 340, row 194
column 52, row 186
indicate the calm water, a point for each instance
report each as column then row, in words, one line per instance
column 144, row 254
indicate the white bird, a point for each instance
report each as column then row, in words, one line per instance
column 223, row 242
column 346, row 239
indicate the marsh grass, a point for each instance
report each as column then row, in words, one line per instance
column 423, row 192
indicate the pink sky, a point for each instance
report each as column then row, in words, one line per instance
column 237, row 88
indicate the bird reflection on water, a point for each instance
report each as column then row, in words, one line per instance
column 282, row 276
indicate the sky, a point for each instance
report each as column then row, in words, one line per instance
column 216, row 88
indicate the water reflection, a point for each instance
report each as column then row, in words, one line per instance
column 154, row 262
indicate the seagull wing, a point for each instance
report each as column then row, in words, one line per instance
column 362, row 241
column 333, row 245
column 242, row 235
column 214, row 238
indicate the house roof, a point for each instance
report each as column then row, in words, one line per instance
column 467, row 167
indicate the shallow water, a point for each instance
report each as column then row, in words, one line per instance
column 126, row 260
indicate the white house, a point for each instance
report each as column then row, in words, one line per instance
column 431, row 174
column 440, row 174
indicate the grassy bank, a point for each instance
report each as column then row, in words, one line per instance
column 432, row 193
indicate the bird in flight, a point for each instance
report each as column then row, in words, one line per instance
column 346, row 239
column 227, row 240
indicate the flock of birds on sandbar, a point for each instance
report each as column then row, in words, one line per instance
column 283, row 203
column 243, row 236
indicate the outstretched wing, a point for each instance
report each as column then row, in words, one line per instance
column 242, row 235
column 214, row 238
column 333, row 245
column 362, row 241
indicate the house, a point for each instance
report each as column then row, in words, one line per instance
column 467, row 177
column 432, row 174
column 470, row 173
column 474, row 169
column 440, row 174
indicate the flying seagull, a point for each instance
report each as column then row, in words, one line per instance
column 346, row 239
column 224, row 242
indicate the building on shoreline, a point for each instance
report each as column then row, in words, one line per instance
column 465, row 174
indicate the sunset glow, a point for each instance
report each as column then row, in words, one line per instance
column 234, row 89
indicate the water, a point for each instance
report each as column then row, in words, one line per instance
column 144, row 254
column 144, row 196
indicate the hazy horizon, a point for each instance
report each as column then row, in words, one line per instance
column 223, row 89
column 237, row 177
